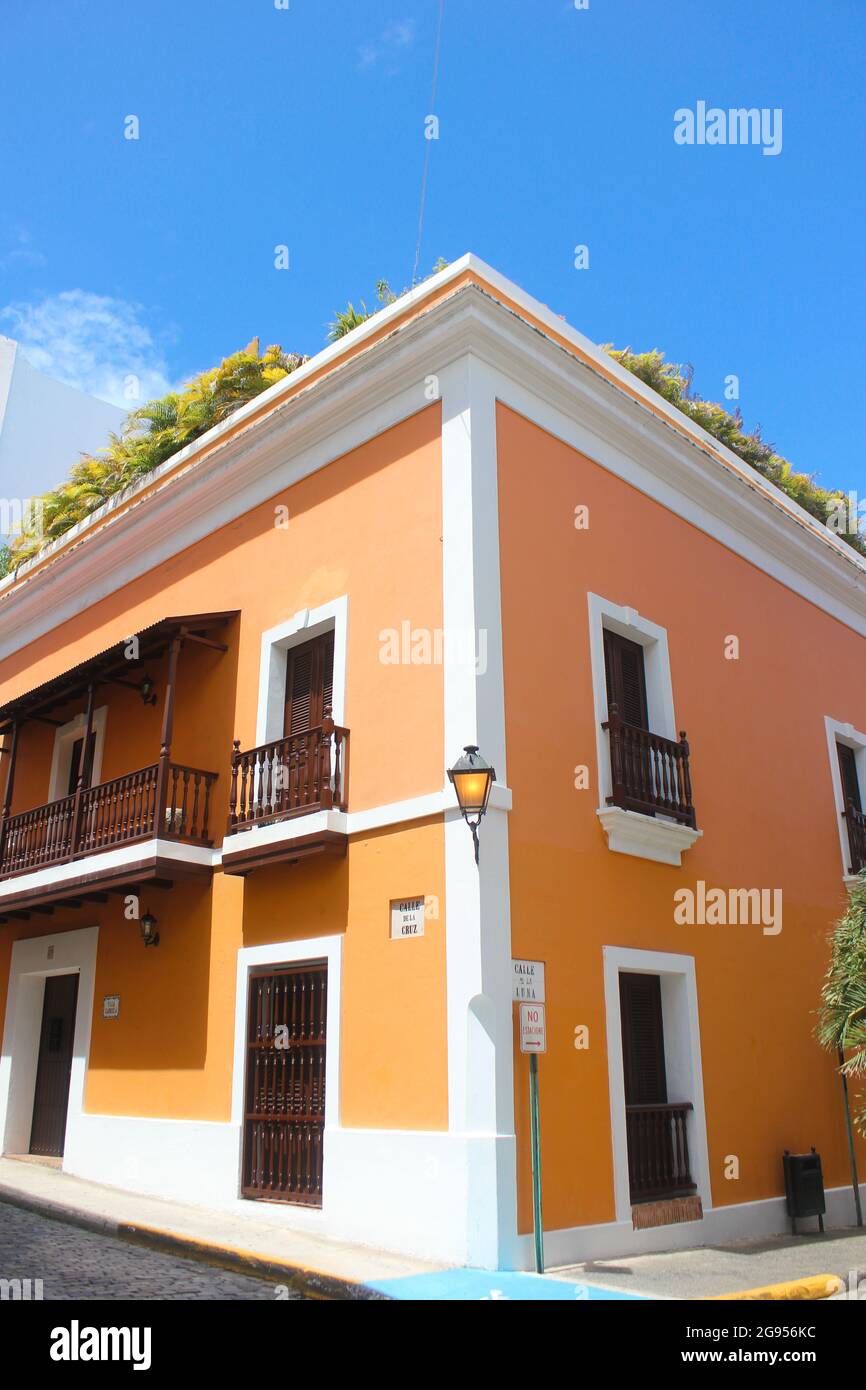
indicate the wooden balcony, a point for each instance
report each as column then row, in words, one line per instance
column 138, row 806
column 856, row 823
column 650, row 774
column 658, row 1151
column 57, row 854
column 152, row 807
column 294, row 776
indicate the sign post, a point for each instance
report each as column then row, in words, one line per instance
column 533, row 1039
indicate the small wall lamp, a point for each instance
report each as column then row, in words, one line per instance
column 472, row 777
column 149, row 933
column 146, row 691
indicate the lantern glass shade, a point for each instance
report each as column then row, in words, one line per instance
column 472, row 777
column 147, row 926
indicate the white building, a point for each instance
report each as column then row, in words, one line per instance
column 45, row 426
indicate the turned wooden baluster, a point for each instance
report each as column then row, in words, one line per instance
column 617, row 771
column 326, row 794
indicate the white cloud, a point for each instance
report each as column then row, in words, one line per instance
column 94, row 342
column 22, row 253
column 393, row 40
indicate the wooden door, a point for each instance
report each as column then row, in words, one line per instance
column 626, row 678
column 309, row 684
column 284, row 1113
column 54, row 1066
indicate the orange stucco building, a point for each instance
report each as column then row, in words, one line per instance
column 247, row 958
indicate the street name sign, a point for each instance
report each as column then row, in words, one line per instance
column 527, row 980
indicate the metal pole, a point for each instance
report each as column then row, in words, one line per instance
column 851, row 1154
column 535, row 1130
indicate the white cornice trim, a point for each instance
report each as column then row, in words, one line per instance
column 392, row 814
column 386, row 384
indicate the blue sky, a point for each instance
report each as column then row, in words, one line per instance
column 262, row 126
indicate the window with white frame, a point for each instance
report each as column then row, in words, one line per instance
column 68, row 741
column 645, row 799
column 847, row 751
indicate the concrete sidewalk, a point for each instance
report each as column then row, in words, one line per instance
column 709, row 1271
column 315, row 1265
column 312, row 1265
column 319, row 1267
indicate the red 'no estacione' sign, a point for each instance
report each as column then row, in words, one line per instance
column 533, row 1037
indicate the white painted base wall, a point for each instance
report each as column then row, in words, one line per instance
column 405, row 1191
column 409, row 1192
column 615, row 1239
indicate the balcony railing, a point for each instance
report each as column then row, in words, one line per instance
column 289, row 777
column 649, row 773
column 165, row 801
column 658, row 1151
column 856, row 822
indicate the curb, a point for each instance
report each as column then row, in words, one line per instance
column 813, row 1286
column 313, row 1283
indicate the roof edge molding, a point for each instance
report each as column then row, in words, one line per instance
column 375, row 377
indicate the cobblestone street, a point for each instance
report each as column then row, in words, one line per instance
column 77, row 1264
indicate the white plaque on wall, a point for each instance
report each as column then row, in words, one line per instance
column 407, row 917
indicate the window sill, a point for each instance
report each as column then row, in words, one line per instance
column 646, row 837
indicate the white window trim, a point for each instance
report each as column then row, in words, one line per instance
column 837, row 732
column 64, row 738
column 682, row 1059
column 630, row 832
column 314, row 948
column 277, row 642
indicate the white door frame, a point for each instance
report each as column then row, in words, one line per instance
column 682, row 1059
column 250, row 958
column 33, row 960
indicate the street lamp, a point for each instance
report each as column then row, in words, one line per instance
column 472, row 777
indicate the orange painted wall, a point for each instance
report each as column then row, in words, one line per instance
column 762, row 788
column 369, row 526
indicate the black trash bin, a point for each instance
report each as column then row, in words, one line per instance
column 804, row 1187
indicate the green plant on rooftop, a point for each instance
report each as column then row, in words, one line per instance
column 159, row 429
column 674, row 383
column 150, row 435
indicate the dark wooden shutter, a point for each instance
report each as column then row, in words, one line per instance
column 850, row 780
column 309, row 684
column 73, row 766
column 626, row 679
column 643, row 1044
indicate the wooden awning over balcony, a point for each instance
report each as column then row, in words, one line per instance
column 149, row 808
column 111, row 665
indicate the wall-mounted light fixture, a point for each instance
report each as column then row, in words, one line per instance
column 472, row 777
column 149, row 933
column 146, row 691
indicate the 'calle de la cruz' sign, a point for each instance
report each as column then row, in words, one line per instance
column 407, row 918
